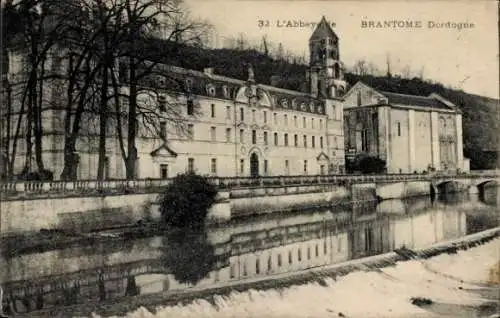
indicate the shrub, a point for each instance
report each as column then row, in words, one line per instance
column 372, row 165
column 365, row 164
column 185, row 202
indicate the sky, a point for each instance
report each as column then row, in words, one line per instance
column 465, row 58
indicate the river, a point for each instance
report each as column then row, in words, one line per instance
column 124, row 276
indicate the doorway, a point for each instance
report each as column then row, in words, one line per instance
column 254, row 165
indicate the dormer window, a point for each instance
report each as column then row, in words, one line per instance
column 211, row 90
column 189, row 84
column 225, row 91
column 162, row 103
column 284, row 103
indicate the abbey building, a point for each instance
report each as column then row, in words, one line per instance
column 229, row 127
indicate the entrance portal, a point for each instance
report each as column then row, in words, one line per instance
column 254, row 165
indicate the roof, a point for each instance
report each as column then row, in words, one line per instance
column 323, row 30
column 415, row 100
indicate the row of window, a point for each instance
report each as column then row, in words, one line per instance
column 266, row 119
column 279, row 260
column 265, row 138
column 213, row 167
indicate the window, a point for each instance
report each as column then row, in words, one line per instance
column 322, row 169
column 364, row 140
column 190, row 131
column 213, row 166
column 285, row 119
column 299, row 255
column 228, row 134
column 312, row 123
column 313, row 141
column 213, row 133
column 279, row 260
column 257, row 266
column 287, row 167
column 308, row 252
column 324, row 248
column 305, row 166
column 163, row 130
column 254, row 137
column 321, row 124
column 321, row 142
column 164, row 171
column 245, row 272
column 265, row 138
column 275, row 118
column 305, row 141
column 399, row 129
column 317, row 250
column 242, row 114
column 191, row 165
column 162, row 103
column 228, row 112
column 290, row 257
column 265, row 167
column 296, row 140
column 190, row 107
column 232, row 271
column 242, row 166
column 286, row 139
column 304, row 122
column 295, row 120
column 339, row 244
column 269, row 263
column 212, row 110
column 265, row 117
column 253, row 115
column 242, row 136
column 275, row 138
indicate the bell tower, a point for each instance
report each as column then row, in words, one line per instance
column 326, row 71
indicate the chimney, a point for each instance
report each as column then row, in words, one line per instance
column 275, row 79
column 208, row 70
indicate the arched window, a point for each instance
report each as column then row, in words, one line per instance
column 336, row 70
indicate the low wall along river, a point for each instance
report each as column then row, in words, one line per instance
column 88, row 212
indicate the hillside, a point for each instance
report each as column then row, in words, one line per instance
column 480, row 114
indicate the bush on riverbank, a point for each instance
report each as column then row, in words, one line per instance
column 185, row 202
column 366, row 164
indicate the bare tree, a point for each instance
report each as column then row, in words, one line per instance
column 406, row 71
column 388, row 63
column 360, row 67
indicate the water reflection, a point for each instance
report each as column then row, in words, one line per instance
column 189, row 255
column 251, row 248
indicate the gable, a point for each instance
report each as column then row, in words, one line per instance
column 322, row 157
column 363, row 95
column 164, row 151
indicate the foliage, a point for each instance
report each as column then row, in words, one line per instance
column 185, row 202
column 366, row 164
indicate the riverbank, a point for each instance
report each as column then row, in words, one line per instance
column 318, row 277
column 44, row 240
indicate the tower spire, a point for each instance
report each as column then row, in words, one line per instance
column 326, row 69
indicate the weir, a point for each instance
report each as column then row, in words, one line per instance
column 89, row 205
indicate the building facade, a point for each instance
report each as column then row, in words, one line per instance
column 214, row 125
column 411, row 133
column 221, row 127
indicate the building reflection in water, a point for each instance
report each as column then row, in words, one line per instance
column 253, row 247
